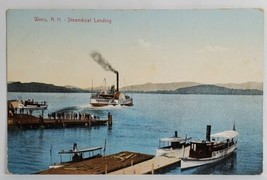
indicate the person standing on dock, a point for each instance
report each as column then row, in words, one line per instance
column 41, row 118
column 54, row 115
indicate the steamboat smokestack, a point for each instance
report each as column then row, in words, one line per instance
column 175, row 134
column 117, row 73
column 208, row 132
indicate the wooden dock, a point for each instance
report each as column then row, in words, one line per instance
column 157, row 165
column 151, row 166
column 101, row 165
column 32, row 122
column 123, row 163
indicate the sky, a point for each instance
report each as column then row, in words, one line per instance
column 159, row 46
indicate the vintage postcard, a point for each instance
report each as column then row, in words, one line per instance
column 113, row 92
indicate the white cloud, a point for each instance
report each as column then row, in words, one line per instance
column 142, row 43
column 213, row 48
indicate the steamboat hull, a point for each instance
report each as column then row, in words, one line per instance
column 106, row 102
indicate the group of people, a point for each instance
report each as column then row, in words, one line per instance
column 72, row 115
column 13, row 111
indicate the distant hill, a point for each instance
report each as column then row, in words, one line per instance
column 249, row 88
column 40, row 87
column 246, row 85
column 159, row 86
column 212, row 89
column 176, row 85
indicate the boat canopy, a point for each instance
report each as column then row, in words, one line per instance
column 174, row 139
column 80, row 150
column 225, row 134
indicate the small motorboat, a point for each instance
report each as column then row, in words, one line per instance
column 29, row 104
column 77, row 155
column 173, row 145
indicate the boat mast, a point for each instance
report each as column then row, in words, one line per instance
column 105, row 147
column 105, row 84
column 234, row 127
column 184, row 144
column 51, row 154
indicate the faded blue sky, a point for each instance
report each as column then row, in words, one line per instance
column 206, row 46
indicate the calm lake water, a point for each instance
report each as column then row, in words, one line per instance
column 140, row 127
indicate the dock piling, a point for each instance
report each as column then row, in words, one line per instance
column 106, row 169
column 90, row 121
column 109, row 119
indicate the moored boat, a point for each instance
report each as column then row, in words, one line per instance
column 216, row 147
column 172, row 145
column 27, row 105
column 33, row 105
column 77, row 155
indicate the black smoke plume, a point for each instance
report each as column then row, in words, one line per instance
column 97, row 57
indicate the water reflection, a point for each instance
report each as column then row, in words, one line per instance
column 109, row 130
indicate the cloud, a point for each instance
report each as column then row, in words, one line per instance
column 213, row 48
column 142, row 43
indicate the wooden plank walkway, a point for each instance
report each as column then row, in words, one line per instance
column 100, row 165
column 154, row 165
column 148, row 167
column 128, row 163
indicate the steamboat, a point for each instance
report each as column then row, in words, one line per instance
column 215, row 148
column 111, row 97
